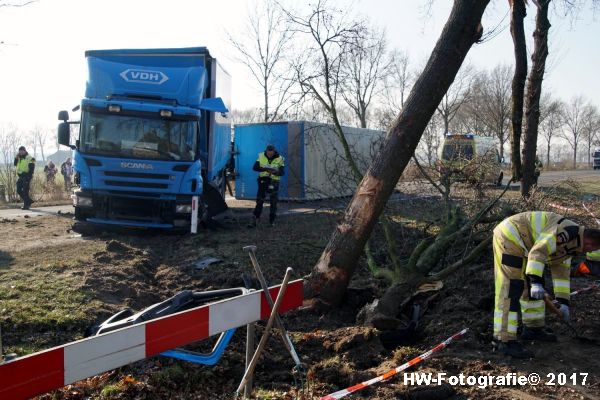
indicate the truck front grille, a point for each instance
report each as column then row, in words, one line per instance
column 130, row 179
column 149, row 185
column 136, row 175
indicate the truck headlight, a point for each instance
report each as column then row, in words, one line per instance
column 183, row 209
column 80, row 201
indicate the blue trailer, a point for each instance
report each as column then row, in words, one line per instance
column 154, row 133
column 316, row 167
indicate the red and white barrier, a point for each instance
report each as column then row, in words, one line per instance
column 41, row 372
column 345, row 392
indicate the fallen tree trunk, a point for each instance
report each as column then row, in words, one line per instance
column 331, row 275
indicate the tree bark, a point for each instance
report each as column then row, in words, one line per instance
column 331, row 275
column 534, row 91
column 517, row 31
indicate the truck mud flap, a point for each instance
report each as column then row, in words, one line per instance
column 214, row 201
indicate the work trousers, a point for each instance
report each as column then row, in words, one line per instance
column 23, row 182
column 67, row 179
column 512, row 292
column 270, row 187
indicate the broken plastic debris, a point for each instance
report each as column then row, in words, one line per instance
column 206, row 261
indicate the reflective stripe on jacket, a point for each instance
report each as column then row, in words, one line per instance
column 593, row 255
column 23, row 164
column 543, row 238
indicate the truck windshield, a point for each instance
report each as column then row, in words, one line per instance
column 457, row 151
column 138, row 137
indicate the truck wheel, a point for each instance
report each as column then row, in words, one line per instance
column 500, row 178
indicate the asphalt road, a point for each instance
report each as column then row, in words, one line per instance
column 10, row 213
column 549, row 177
column 546, row 178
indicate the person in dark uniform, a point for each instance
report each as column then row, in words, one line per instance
column 25, row 165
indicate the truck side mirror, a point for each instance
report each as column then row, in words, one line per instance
column 63, row 115
column 64, row 133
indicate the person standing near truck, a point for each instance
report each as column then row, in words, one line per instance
column 270, row 166
column 25, row 165
column 50, row 170
column 66, row 169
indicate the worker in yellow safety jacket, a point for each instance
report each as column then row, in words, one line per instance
column 25, row 165
column 270, row 166
column 589, row 266
column 523, row 245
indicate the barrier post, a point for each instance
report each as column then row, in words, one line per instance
column 194, row 222
column 249, row 353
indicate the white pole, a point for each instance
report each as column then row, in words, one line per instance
column 194, row 226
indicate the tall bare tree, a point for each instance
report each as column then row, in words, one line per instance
column 9, row 143
column 263, row 47
column 517, row 30
column 397, row 83
column 470, row 117
column 363, row 70
column 551, row 122
column 534, row 93
column 591, row 128
column 331, row 34
column 458, row 94
column 431, row 139
column 331, row 275
column 39, row 137
column 574, row 117
column 495, row 98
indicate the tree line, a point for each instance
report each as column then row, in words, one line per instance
column 349, row 69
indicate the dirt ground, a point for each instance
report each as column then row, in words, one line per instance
column 54, row 284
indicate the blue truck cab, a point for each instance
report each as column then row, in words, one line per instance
column 154, row 132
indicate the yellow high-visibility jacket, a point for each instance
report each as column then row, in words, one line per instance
column 543, row 238
column 23, row 164
column 276, row 163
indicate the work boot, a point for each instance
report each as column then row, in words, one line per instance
column 25, row 207
column 540, row 334
column 253, row 223
column 514, row 349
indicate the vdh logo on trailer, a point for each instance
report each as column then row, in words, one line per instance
column 144, row 76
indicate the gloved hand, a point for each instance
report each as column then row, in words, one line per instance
column 537, row 291
column 564, row 312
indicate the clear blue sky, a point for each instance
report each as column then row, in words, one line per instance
column 43, row 70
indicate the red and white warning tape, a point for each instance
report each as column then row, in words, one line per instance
column 591, row 214
column 585, row 289
column 41, row 372
column 561, row 207
column 345, row 392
